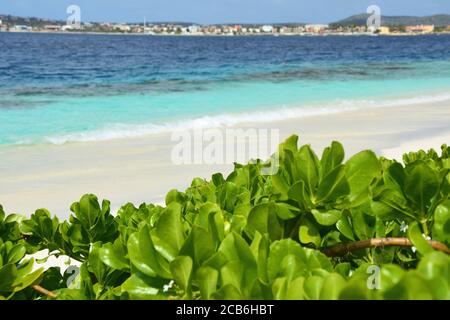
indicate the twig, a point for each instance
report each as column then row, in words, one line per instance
column 344, row 248
column 44, row 291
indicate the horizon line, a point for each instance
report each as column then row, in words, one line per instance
column 224, row 23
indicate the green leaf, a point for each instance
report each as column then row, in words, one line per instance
column 144, row 256
column 2, row 214
column 228, row 292
column 361, row 170
column 174, row 196
column 332, row 157
column 241, row 269
column 390, row 275
column 15, row 254
column 211, row 218
column 326, row 217
column 344, row 269
column 344, row 226
column 290, row 143
column 288, row 259
column 115, row 255
column 298, row 193
column 207, row 278
column 181, row 269
column 27, row 280
column 435, row 265
column 308, row 232
column 416, row 237
column 286, row 211
column 441, row 225
column 394, row 177
column 421, row 185
column 139, row 288
column 332, row 286
column 356, row 289
column 308, row 168
column 96, row 265
column 280, row 185
column 263, row 218
column 282, row 289
column 87, row 210
column 199, row 246
column 8, row 274
column 313, row 287
column 410, row 287
column 279, row 250
column 363, row 224
column 169, row 231
column 333, row 186
column 390, row 205
column 295, row 289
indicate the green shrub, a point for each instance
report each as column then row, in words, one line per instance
column 320, row 228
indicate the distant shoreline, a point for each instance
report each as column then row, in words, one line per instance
column 232, row 35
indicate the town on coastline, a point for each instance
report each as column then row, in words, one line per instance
column 18, row 24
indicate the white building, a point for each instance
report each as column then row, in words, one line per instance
column 194, row 29
column 122, row 27
column 19, row 28
column 267, row 29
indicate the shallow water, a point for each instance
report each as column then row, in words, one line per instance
column 57, row 88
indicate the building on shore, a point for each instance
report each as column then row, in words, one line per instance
column 122, row 27
column 383, row 30
column 316, row 28
column 267, row 29
column 21, row 28
column 194, row 29
column 52, row 28
column 420, row 29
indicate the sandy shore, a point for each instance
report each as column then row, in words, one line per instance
column 141, row 169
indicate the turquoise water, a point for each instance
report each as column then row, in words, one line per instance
column 64, row 88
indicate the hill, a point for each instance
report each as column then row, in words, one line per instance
column 439, row 20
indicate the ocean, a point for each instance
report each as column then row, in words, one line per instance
column 62, row 88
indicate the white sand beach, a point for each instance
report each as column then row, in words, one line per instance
column 141, row 170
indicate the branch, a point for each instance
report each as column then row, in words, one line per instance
column 344, row 248
column 44, row 291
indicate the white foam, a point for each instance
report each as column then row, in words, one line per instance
column 121, row 131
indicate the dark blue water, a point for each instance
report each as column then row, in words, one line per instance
column 58, row 88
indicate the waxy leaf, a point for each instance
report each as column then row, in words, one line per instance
column 421, row 185
column 345, row 227
column 169, row 231
column 144, row 256
column 181, row 269
column 332, row 286
column 308, row 232
column 115, row 255
column 361, row 170
column 263, row 218
column 417, row 238
column 441, row 225
column 332, row 157
column 139, row 288
column 199, row 246
column 326, row 217
column 207, row 278
column 308, row 168
column 333, row 186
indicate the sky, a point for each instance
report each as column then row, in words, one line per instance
column 219, row 11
